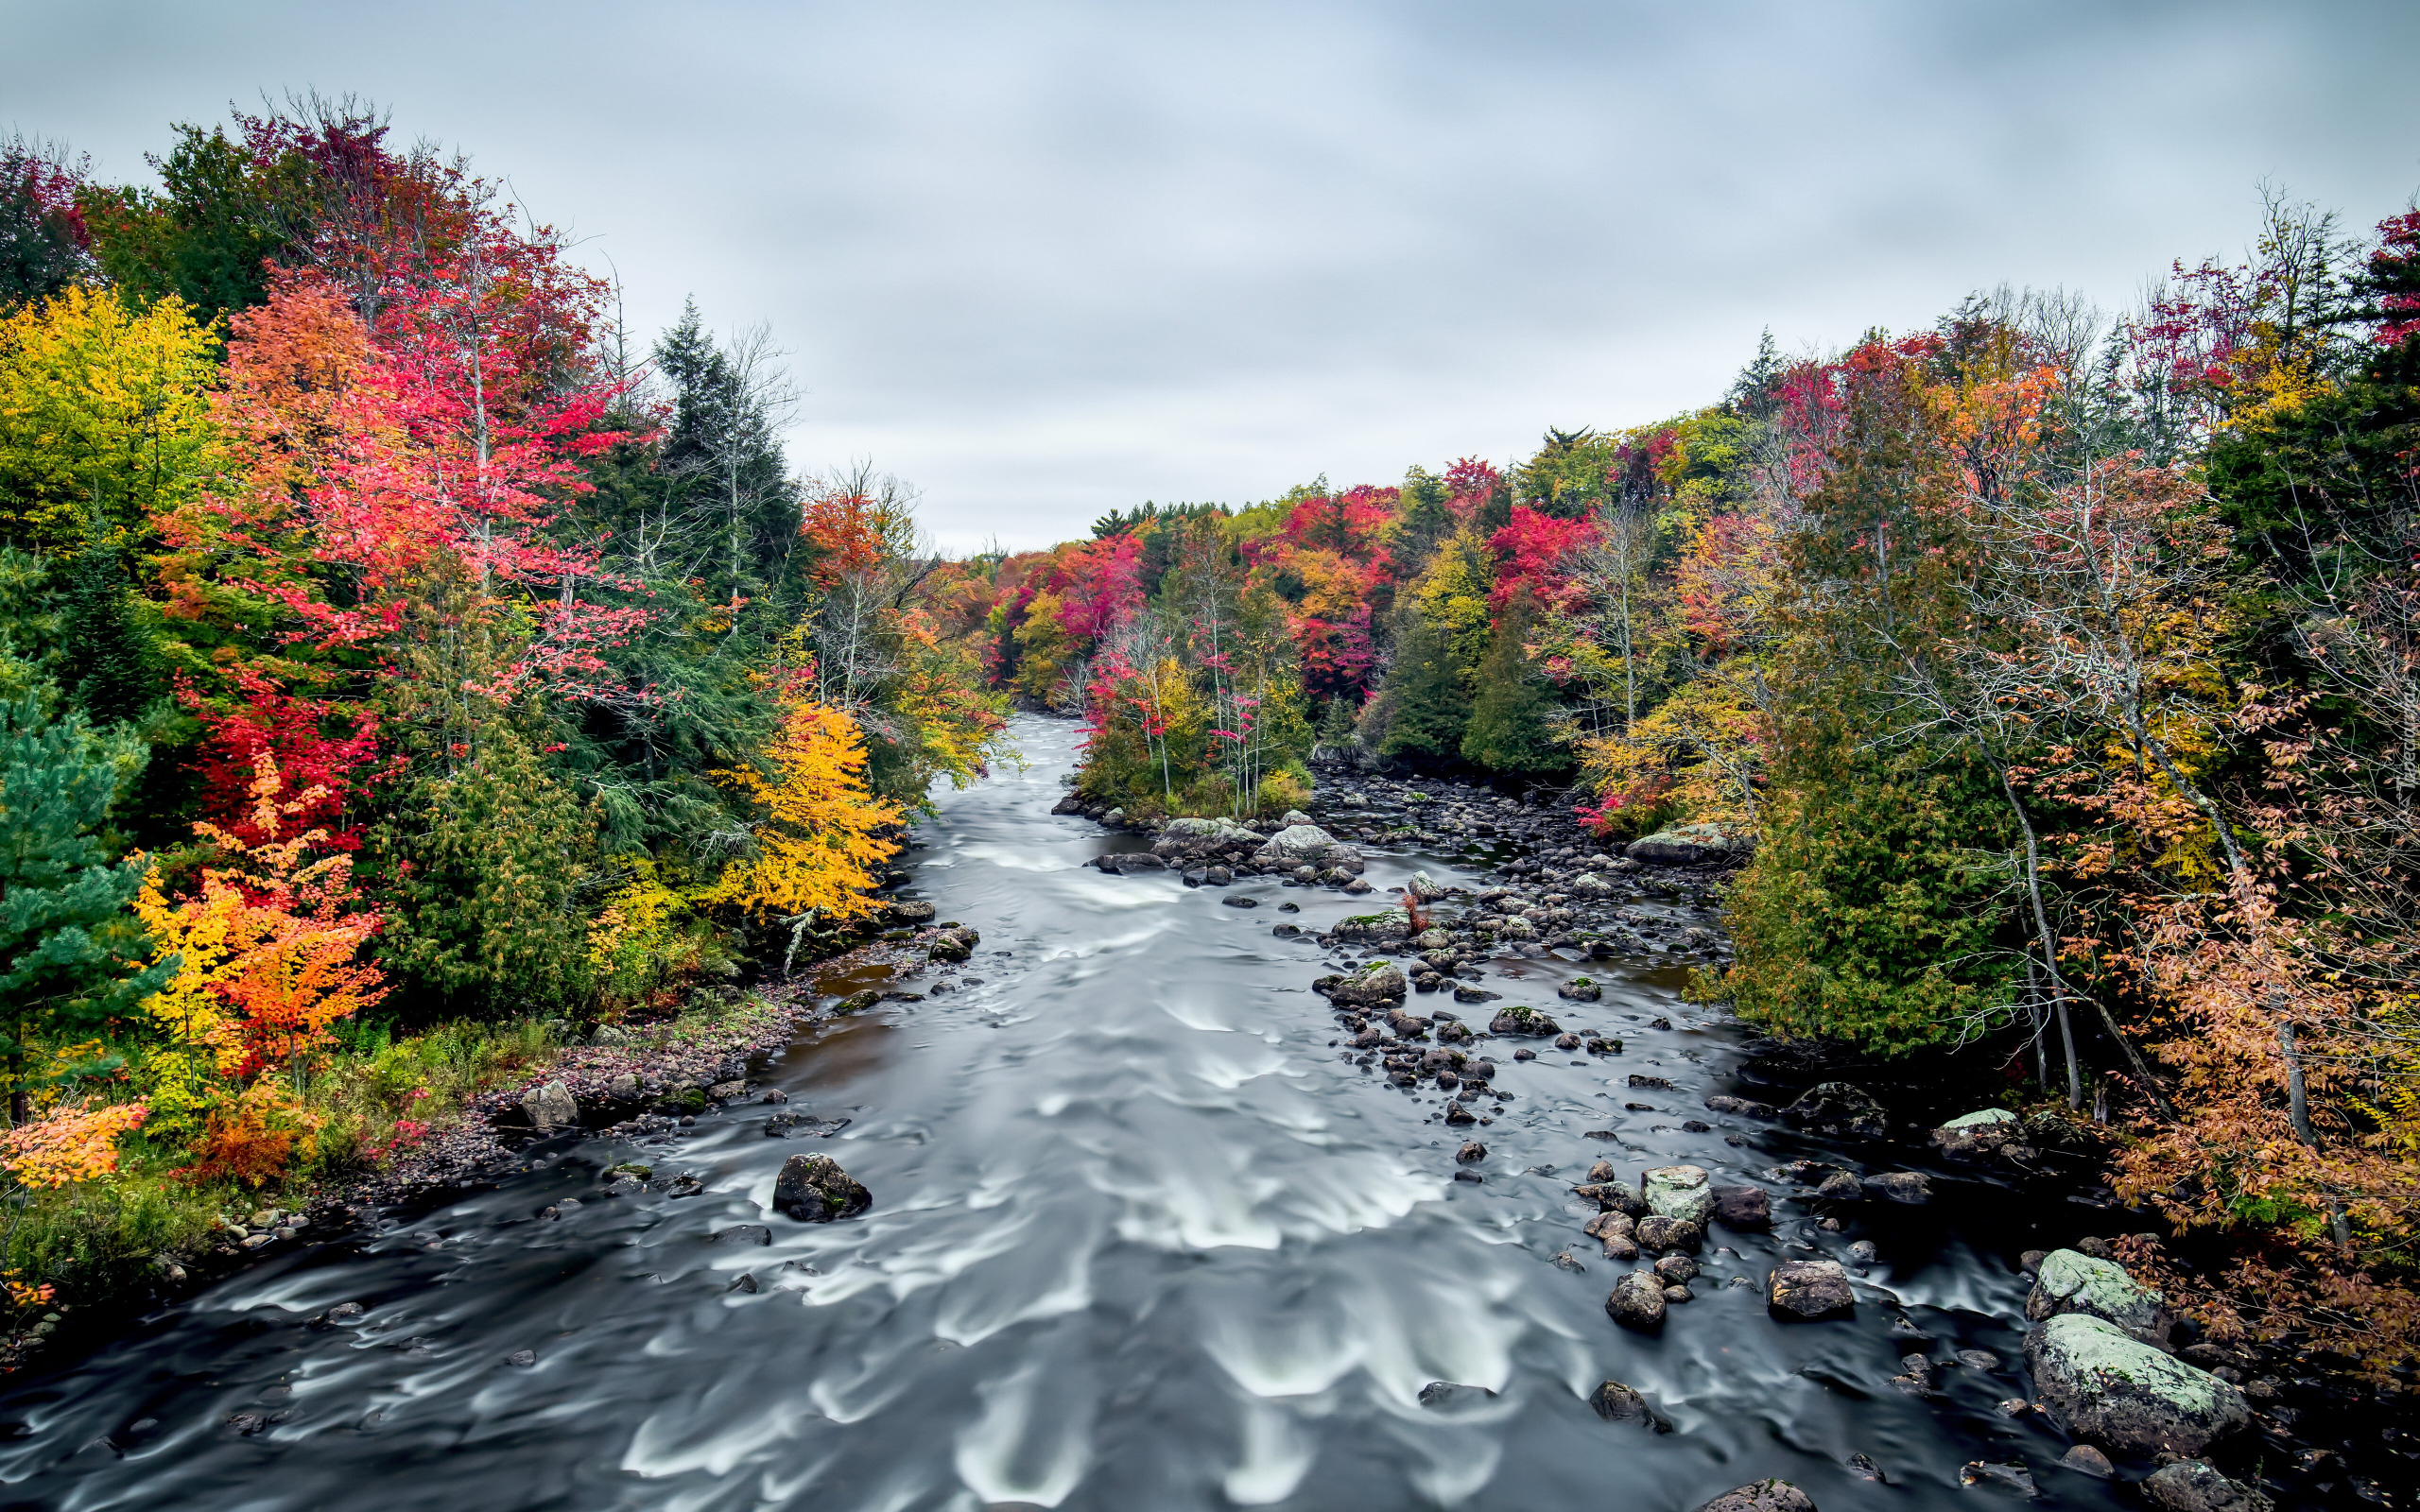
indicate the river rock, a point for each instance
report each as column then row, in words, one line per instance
column 1744, row 1106
column 2071, row 1283
column 1618, row 1403
column 1609, row 1223
column 1130, row 862
column 1471, row 1152
column 2086, row 1460
column 911, row 911
column 949, row 945
column 1636, row 1302
column 1688, row 845
column 1434, row 939
column 1449, row 1393
column 1377, row 983
column 1842, row 1186
column 1911, row 1187
column 1765, row 1496
column 1747, row 1209
column 814, row 1189
column 550, row 1106
column 1613, row 1196
column 1661, row 1233
column 742, row 1234
column 1523, row 1021
column 1589, row 885
column 1678, row 1192
column 1423, row 888
column 1581, row 990
column 2100, row 1383
column 1808, row 1291
column 1390, row 923
column 2191, row 1486
column 1977, row 1133
column 1296, row 845
column 1838, row 1107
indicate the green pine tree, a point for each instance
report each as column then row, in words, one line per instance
column 1508, row 732
column 1335, row 725
column 480, row 867
column 70, row 948
column 1425, row 709
column 112, row 668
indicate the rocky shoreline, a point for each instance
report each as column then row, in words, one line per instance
column 2195, row 1424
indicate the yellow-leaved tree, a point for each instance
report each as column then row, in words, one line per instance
column 102, row 410
column 820, row 838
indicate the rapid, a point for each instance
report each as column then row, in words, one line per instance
column 1143, row 1236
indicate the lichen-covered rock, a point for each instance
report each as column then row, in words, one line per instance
column 1977, row 1133
column 1688, row 845
column 1808, row 1291
column 1613, row 1196
column 1423, row 888
column 814, row 1189
column 1295, row 845
column 1434, row 939
column 1523, row 1021
column 1678, row 1192
column 1838, row 1107
column 1636, row 1302
column 2191, row 1486
column 1744, row 1107
column 1390, row 923
column 2100, row 1383
column 2071, row 1283
column 1377, row 983
column 1128, row 863
column 1764, row 1496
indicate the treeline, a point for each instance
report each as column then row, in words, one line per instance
column 387, row 642
column 2064, row 670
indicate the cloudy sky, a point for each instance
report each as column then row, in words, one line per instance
column 1047, row 259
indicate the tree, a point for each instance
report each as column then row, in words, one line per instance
column 1509, row 728
column 43, row 242
column 1420, row 704
column 479, row 866
column 69, row 948
column 819, row 837
column 110, row 654
column 101, row 411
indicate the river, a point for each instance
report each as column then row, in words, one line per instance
column 1142, row 1238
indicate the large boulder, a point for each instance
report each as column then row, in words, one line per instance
column 1765, row 1496
column 1979, row 1133
column 814, row 1189
column 1306, row 845
column 1380, row 982
column 1388, row 923
column 1523, row 1021
column 1128, row 863
column 1636, row 1302
column 2072, row 1283
column 2100, row 1383
column 1202, row 834
column 550, row 1106
column 2191, row 1486
column 1838, row 1107
column 1678, row 1192
column 1689, row 845
column 1808, row 1291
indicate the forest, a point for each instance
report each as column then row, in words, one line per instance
column 403, row 669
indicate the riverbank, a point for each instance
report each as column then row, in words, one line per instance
column 485, row 1092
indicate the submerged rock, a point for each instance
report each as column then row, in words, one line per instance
column 1764, row 1496
column 814, row 1189
column 1838, row 1107
column 2100, row 1383
column 1911, row 1187
column 1619, row 1403
column 2191, row 1486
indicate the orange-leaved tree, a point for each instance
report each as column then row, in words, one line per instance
column 265, row 953
column 820, row 836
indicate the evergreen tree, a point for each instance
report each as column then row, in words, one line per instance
column 1424, row 709
column 1335, row 725
column 1423, row 518
column 1508, row 731
column 112, row 663
column 1755, row 391
column 739, row 512
column 70, row 949
column 482, row 864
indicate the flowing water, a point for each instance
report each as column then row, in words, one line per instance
column 1141, row 1239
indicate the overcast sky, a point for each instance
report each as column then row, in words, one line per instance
column 1045, row 260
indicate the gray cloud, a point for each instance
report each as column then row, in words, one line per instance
column 1048, row 259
